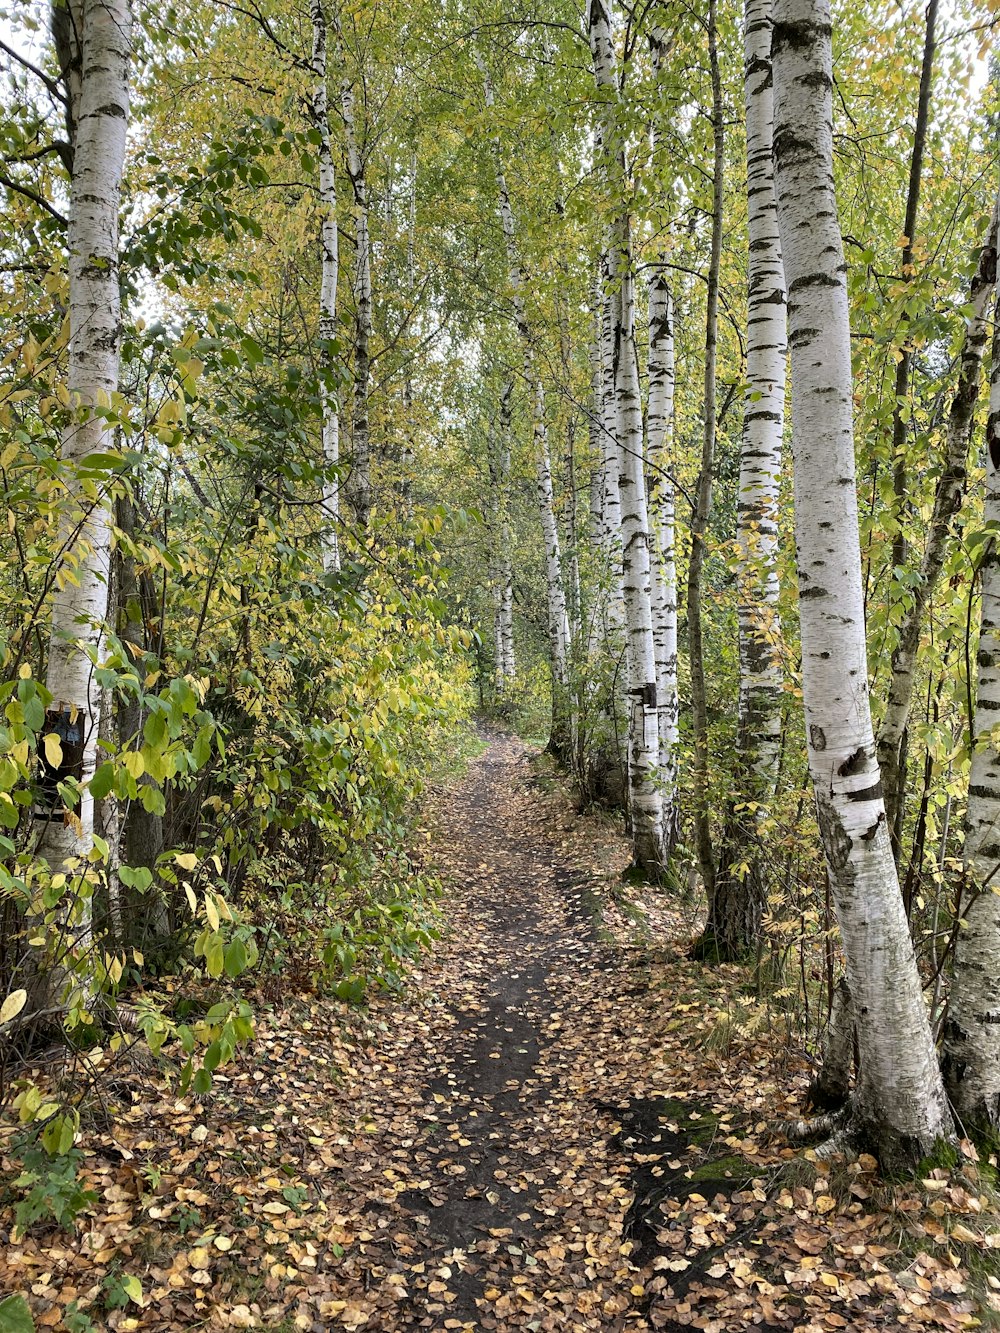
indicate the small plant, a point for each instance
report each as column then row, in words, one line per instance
column 52, row 1188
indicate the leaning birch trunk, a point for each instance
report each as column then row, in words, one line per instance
column 358, row 487
column 972, row 1029
column 563, row 721
column 329, row 272
column 703, row 495
column 947, row 502
column 646, row 806
column 736, row 910
column 80, row 604
column 899, row 1108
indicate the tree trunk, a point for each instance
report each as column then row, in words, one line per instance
column 646, row 806
column 358, row 487
column 703, row 496
column 660, row 493
column 100, row 117
column 330, row 268
column 972, row 1029
column 506, row 666
column 736, row 911
column 947, row 502
column 894, row 773
column 898, row 1109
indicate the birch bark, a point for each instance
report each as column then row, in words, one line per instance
column 663, row 577
column 972, row 1030
column 646, row 806
column 358, row 487
column 100, row 118
column 899, row 1108
column 329, row 273
column 660, row 503
column 737, row 906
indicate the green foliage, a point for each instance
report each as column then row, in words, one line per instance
column 50, row 1187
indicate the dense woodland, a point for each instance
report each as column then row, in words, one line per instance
column 626, row 376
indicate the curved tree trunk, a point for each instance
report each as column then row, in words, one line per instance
column 736, row 909
column 330, row 268
column 703, row 496
column 947, row 502
column 899, row 1108
column 972, row 1030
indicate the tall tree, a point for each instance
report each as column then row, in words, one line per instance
column 972, row 1029
column 737, row 905
column 330, row 269
column 358, row 487
column 703, row 492
column 645, row 802
column 99, row 38
column 898, row 1107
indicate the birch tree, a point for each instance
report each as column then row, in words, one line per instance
column 972, row 1030
column 737, row 905
column 100, row 33
column 358, row 487
column 660, row 501
column 330, row 268
column 898, row 1107
column 645, row 803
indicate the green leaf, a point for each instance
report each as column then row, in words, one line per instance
column 132, row 1288
column 102, row 781
column 15, row 1317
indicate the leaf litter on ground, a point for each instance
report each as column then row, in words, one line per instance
column 538, row 1133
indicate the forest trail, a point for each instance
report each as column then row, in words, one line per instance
column 543, row 1131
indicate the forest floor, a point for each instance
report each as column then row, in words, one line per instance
column 562, row 1123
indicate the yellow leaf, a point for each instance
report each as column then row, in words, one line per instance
column 134, row 763
column 211, row 911
column 13, row 1005
column 186, row 860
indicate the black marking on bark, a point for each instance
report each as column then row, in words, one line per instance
column 853, row 763
column 872, row 793
column 817, row 737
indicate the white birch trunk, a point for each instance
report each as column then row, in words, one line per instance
column 899, row 1108
column 645, row 801
column 739, row 899
column 611, row 506
column 760, row 692
column 972, row 1029
column 80, row 605
column 506, row 665
column 663, row 577
column 358, row 487
column 408, row 460
column 329, row 273
column 947, row 501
